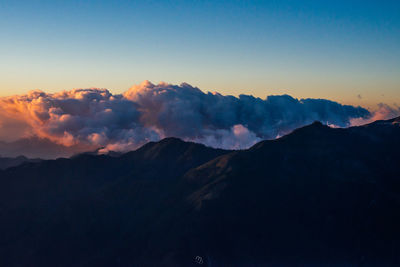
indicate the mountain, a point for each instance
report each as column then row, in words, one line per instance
column 12, row 162
column 319, row 196
column 35, row 147
column 316, row 196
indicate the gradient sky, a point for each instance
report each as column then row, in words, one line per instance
column 347, row 51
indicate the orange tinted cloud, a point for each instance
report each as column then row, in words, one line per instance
column 383, row 112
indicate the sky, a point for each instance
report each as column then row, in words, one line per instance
column 345, row 51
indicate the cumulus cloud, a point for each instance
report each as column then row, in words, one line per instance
column 149, row 112
column 87, row 116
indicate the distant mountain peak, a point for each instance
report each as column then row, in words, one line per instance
column 317, row 123
column 170, row 140
column 313, row 128
column 8, row 162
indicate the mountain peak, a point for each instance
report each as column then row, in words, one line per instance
column 313, row 128
column 317, row 123
column 171, row 140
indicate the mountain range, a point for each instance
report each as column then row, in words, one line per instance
column 35, row 147
column 317, row 196
column 6, row 162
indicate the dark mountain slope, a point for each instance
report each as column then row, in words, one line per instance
column 55, row 210
column 171, row 157
column 316, row 196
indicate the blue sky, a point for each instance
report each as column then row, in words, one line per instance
column 324, row 49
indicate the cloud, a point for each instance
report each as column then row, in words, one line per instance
column 149, row 112
column 237, row 137
column 383, row 112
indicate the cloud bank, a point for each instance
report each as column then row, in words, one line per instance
column 149, row 112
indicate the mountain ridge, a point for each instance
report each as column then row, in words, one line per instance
column 8, row 162
column 318, row 195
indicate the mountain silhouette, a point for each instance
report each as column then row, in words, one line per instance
column 319, row 195
column 6, row 162
column 35, row 147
